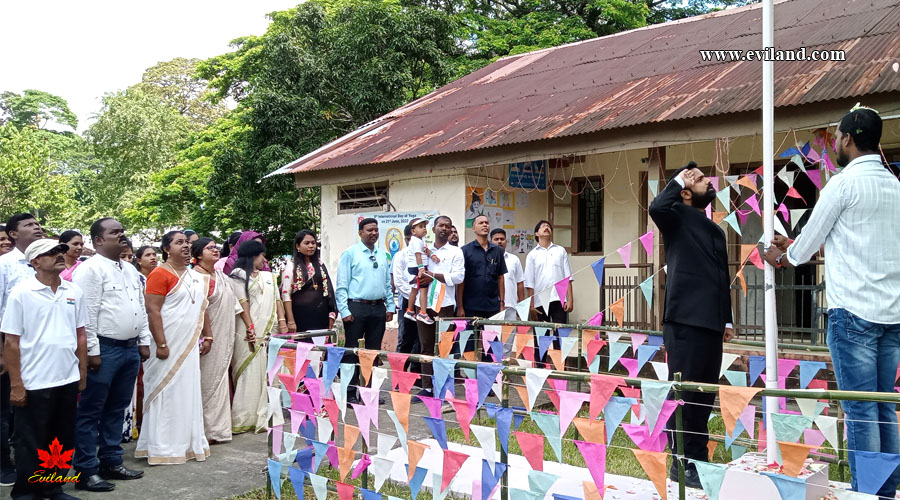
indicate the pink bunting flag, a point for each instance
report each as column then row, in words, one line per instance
column 602, row 387
column 642, row 439
column 715, row 182
column 313, row 386
column 453, row 461
column 595, row 457
column 461, row 324
column 827, row 159
column 302, row 402
column 709, row 211
column 596, row 320
column 756, row 259
column 631, row 365
column 636, row 340
column 562, row 290
column 302, row 353
column 362, row 465
column 331, row 407
column 433, row 405
column 761, row 437
column 472, row 392
column 625, row 253
column 813, row 437
column 815, row 175
column 288, row 381
column 403, row 381
column 743, row 214
column 554, row 398
column 813, row 156
column 397, row 361
column 297, row 418
column 569, row 405
column 783, row 210
column 558, row 384
column 593, row 347
column 793, row 193
column 753, row 203
column 365, row 415
column 277, row 439
column 647, row 241
column 747, row 417
column 532, row 446
column 463, row 414
column 665, row 413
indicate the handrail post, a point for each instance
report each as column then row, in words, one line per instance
column 504, row 458
column 679, row 436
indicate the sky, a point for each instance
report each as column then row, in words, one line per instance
column 82, row 50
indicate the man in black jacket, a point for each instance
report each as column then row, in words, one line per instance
column 698, row 301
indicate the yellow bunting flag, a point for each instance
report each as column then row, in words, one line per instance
column 618, row 310
column 746, row 250
column 733, row 400
column 593, row 431
column 400, row 402
column 469, row 355
column 523, row 395
column 654, row 464
column 416, row 450
column 366, row 360
column 522, row 340
column 794, row 456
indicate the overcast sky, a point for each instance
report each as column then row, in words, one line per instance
column 83, row 49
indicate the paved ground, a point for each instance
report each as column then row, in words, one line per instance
column 232, row 469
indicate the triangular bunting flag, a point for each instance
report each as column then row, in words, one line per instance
column 647, row 290
column 647, row 242
column 625, row 254
column 654, row 464
column 733, row 400
column 711, row 477
column 790, row 488
column 532, row 446
column 618, row 310
column 595, row 457
column 453, row 461
column 794, row 456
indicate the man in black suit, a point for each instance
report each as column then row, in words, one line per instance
column 697, row 315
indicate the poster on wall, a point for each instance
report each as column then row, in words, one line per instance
column 497, row 205
column 507, row 200
column 474, row 203
column 491, row 198
column 521, row 241
column 390, row 228
column 528, row 175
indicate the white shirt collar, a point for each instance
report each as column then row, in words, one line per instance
column 35, row 285
column 863, row 159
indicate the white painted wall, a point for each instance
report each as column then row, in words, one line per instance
column 444, row 192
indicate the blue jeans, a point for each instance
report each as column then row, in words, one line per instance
column 101, row 409
column 865, row 357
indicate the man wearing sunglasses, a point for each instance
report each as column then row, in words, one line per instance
column 363, row 293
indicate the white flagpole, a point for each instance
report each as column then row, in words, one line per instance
column 768, row 137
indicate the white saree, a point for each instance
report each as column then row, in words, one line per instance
column 172, row 430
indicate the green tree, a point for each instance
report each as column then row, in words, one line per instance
column 36, row 108
column 28, row 180
column 320, row 70
column 175, row 83
column 136, row 134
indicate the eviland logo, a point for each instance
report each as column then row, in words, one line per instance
column 55, row 458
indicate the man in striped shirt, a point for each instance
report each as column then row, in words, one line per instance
column 856, row 218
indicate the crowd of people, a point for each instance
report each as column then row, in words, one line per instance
column 168, row 345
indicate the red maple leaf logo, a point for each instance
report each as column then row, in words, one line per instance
column 56, row 458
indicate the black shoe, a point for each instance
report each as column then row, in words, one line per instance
column 120, row 472
column 691, row 477
column 8, row 476
column 94, row 483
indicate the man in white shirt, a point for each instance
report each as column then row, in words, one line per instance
column 514, row 278
column 546, row 265
column 450, row 270
column 45, row 353
column 856, row 219
column 116, row 327
column 408, row 334
column 23, row 229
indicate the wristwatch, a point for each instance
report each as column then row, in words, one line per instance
column 778, row 259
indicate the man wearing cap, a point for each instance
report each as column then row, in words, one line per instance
column 363, row 295
column 45, row 352
column 856, row 219
column 23, row 229
column 118, row 339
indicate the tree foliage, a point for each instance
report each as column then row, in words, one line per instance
column 36, row 108
column 176, row 85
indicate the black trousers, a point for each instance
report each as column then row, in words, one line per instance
column 368, row 325
column 427, row 337
column 48, row 414
column 697, row 354
column 408, row 337
column 6, row 420
column 556, row 313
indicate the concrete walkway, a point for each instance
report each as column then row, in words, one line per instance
column 231, row 469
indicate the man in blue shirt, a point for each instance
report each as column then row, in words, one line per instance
column 363, row 293
column 482, row 293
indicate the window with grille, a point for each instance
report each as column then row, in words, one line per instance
column 576, row 211
column 370, row 197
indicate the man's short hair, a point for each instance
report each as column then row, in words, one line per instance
column 407, row 231
column 439, row 217
column 864, row 126
column 481, row 215
column 690, row 165
column 541, row 223
column 97, row 228
column 13, row 223
column 365, row 222
column 497, row 231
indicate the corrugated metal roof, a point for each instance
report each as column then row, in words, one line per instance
column 649, row 75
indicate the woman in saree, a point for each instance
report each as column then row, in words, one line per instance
column 258, row 293
column 73, row 257
column 306, row 288
column 222, row 309
column 233, row 256
column 176, row 298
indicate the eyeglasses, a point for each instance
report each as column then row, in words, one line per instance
column 374, row 262
column 214, row 248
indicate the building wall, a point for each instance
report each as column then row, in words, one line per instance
column 444, row 192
